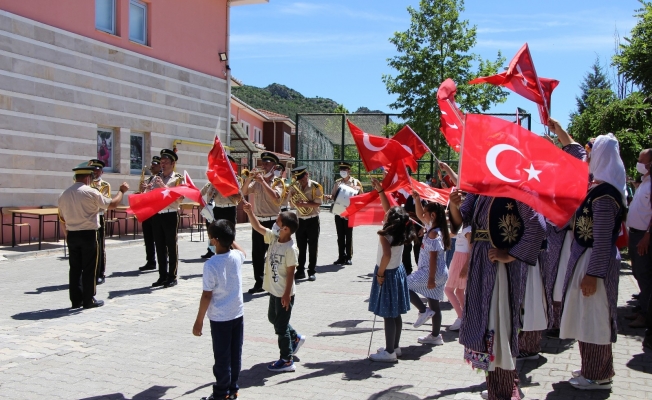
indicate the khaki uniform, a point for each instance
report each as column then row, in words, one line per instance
column 165, row 225
column 104, row 188
column 309, row 227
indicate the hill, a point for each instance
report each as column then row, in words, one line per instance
column 283, row 100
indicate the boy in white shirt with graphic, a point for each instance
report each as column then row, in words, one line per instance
column 280, row 264
column 222, row 300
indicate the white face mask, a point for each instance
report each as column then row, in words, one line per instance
column 344, row 174
column 270, row 173
column 277, row 174
column 640, row 167
column 276, row 230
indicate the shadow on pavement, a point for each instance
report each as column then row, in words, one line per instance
column 46, row 314
column 246, row 297
column 127, row 274
column 193, row 260
column 641, row 362
column 350, row 328
column 153, row 393
column 46, row 289
column 254, row 376
column 415, row 352
column 198, row 388
column 329, row 268
column 187, row 277
column 352, row 370
column 394, row 393
column 564, row 391
column 130, row 292
column 526, row 367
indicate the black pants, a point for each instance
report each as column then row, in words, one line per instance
column 227, row 350
column 165, row 239
column 641, row 268
column 344, row 238
column 148, row 236
column 227, row 213
column 258, row 251
column 406, row 258
column 101, row 252
column 280, row 318
column 308, row 239
column 82, row 250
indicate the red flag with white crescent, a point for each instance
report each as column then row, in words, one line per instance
column 411, row 142
column 220, row 171
column 451, row 117
column 376, row 151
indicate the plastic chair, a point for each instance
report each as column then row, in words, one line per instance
column 200, row 229
column 183, row 216
column 111, row 222
column 20, row 225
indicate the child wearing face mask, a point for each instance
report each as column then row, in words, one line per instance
column 221, row 299
column 278, row 281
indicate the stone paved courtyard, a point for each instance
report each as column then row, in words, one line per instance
column 140, row 344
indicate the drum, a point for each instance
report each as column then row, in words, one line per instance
column 343, row 199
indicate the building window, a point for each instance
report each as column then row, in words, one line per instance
column 105, row 148
column 136, row 153
column 105, row 16
column 245, row 126
column 138, row 22
column 286, row 143
column 258, row 135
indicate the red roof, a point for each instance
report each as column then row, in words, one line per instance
column 271, row 114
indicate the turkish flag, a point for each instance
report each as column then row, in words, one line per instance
column 451, row 116
column 521, row 77
column 431, row 194
column 502, row 159
column 411, row 142
column 220, row 171
column 144, row 205
column 376, row 151
column 195, row 193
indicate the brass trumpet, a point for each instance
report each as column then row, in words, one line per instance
column 297, row 197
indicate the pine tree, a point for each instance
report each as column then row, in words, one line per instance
column 594, row 79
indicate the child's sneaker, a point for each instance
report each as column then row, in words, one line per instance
column 423, row 317
column 296, row 345
column 384, row 356
column 282, row 366
column 397, row 351
column 430, row 339
column 456, row 325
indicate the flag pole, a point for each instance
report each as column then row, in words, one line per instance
column 545, row 103
column 459, row 173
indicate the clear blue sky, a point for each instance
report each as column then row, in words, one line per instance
column 338, row 49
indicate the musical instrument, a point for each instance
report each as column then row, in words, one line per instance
column 342, row 198
column 297, row 197
column 247, row 173
column 277, row 182
column 142, row 180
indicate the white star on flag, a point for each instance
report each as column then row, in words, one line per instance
column 532, row 173
column 166, row 193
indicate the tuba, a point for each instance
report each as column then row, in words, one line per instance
column 298, row 196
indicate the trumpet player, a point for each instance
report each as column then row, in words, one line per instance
column 267, row 206
column 105, row 190
column 148, row 230
column 223, row 207
column 306, row 196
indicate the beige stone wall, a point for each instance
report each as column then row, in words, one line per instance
column 57, row 88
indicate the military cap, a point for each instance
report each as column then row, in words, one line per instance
column 85, row 168
column 156, row 160
column 267, row 156
column 170, row 154
column 96, row 163
column 344, row 165
column 299, row 172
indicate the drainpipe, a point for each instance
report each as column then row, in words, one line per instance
column 274, row 122
column 228, row 73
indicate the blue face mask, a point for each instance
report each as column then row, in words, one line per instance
column 212, row 248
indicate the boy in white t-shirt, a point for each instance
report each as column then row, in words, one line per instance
column 222, row 300
column 280, row 264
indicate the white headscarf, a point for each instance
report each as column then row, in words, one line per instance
column 605, row 163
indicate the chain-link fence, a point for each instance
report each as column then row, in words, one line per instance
column 323, row 140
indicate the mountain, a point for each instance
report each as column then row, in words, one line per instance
column 283, row 100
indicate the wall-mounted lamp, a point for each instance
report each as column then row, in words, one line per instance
column 223, row 57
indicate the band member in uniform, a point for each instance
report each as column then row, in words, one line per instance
column 279, row 173
column 344, row 233
column 223, row 207
column 148, row 231
column 267, row 206
column 79, row 208
column 306, row 196
column 165, row 223
column 105, row 190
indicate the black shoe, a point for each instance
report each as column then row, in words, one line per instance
column 339, row 261
column 147, row 267
column 312, row 278
column 171, row 283
column 94, row 304
column 209, row 254
column 348, row 262
column 77, row 305
column 100, row 280
column 160, row 282
column 636, row 309
column 300, row 275
column 636, row 296
column 255, row 290
column 647, row 343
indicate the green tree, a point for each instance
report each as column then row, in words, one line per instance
column 340, row 109
column 635, row 59
column 437, row 46
column 594, row 79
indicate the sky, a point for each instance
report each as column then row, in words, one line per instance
column 338, row 49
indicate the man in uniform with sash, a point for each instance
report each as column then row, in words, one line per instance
column 344, row 233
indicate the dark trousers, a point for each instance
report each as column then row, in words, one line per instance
column 258, row 250
column 406, row 258
column 148, row 236
column 227, row 213
column 280, row 318
column 165, row 240
column 344, row 238
column 307, row 239
column 101, row 253
column 228, row 337
column 82, row 257
column 641, row 268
